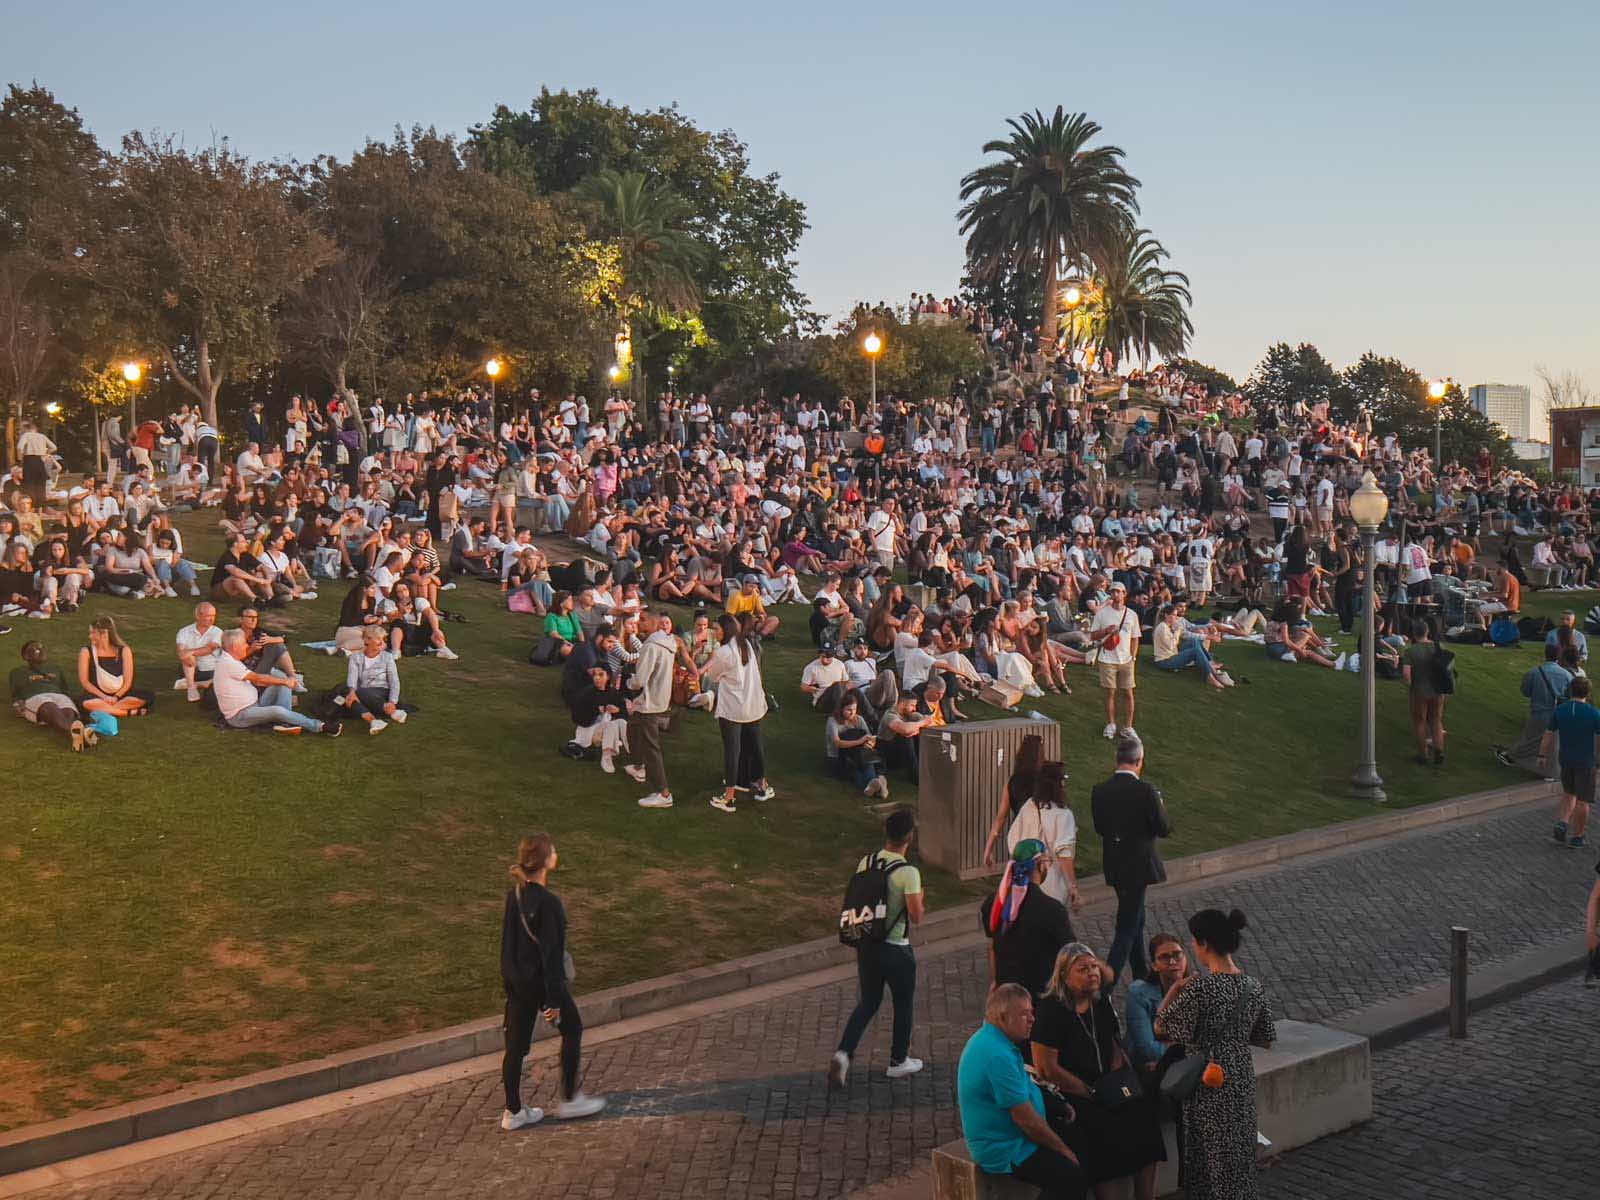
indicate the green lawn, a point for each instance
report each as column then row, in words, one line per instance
column 186, row 904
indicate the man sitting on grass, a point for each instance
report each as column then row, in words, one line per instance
column 39, row 694
column 198, row 649
column 748, row 600
column 242, row 707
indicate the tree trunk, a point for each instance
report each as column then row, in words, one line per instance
column 348, row 398
column 1050, row 326
column 204, row 386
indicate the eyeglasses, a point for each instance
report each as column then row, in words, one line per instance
column 1170, row 956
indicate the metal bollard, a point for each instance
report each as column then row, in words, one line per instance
column 1458, row 981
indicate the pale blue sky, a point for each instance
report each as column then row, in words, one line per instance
column 1417, row 178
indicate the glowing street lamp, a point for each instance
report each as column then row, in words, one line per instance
column 52, row 409
column 1070, row 299
column 1369, row 505
column 615, row 372
column 492, row 369
column 873, row 344
column 1436, row 392
column 131, row 371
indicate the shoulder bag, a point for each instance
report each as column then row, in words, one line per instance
column 567, row 965
column 1184, row 1077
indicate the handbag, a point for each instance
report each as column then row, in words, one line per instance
column 546, row 652
column 1117, row 1087
column 567, row 966
column 1184, row 1077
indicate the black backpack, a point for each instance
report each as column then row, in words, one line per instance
column 864, row 915
column 1443, row 669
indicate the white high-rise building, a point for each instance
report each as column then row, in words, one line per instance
column 1510, row 406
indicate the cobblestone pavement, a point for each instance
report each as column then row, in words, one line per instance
column 735, row 1105
column 1507, row 1112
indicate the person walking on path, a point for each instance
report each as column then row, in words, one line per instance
column 1571, row 730
column 1130, row 817
column 536, row 971
column 649, row 713
column 735, row 671
column 1115, row 633
column 889, row 962
column 1545, row 686
column 1220, row 1014
column 1420, row 667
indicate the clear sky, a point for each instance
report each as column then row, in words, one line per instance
column 1417, row 177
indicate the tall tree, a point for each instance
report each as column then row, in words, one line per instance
column 647, row 225
column 1052, row 202
column 1396, row 397
column 1137, row 303
column 208, row 253
column 1288, row 373
column 53, row 178
column 339, row 317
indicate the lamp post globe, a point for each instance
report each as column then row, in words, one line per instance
column 1436, row 394
column 872, row 344
column 131, row 371
column 1369, row 506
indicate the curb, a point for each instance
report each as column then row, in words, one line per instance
column 1390, row 1022
column 33, row 1146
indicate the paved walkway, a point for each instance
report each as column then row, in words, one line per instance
column 735, row 1104
column 1507, row 1112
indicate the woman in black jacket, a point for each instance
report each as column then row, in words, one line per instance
column 534, row 968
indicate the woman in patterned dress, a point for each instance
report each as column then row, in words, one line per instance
column 1220, row 1014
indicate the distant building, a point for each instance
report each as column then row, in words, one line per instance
column 1575, row 444
column 1508, row 405
column 1531, row 451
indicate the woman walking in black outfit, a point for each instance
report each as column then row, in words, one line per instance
column 536, row 970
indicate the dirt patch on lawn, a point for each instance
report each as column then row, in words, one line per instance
column 336, row 853
column 349, row 899
column 21, row 1085
column 256, row 959
column 11, row 853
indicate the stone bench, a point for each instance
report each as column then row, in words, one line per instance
column 1313, row 1082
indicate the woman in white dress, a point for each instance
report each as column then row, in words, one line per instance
column 1047, row 816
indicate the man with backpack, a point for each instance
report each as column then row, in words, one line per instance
column 881, row 903
column 1429, row 672
column 1571, row 731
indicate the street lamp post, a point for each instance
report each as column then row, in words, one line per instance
column 492, row 369
column 132, row 372
column 873, row 344
column 1070, row 299
column 1369, row 506
column 1436, row 391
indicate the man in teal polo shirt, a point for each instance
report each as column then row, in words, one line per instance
column 1574, row 725
column 1002, row 1108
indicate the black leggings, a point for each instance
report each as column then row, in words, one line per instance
column 521, row 1013
column 1056, row 1176
column 743, row 763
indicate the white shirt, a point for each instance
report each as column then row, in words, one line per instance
column 233, row 691
column 191, row 638
column 822, row 676
column 1110, row 618
column 881, row 525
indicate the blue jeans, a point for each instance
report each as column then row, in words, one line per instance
column 1127, row 943
column 182, row 569
column 1192, row 652
column 988, row 436
column 273, row 707
column 877, row 964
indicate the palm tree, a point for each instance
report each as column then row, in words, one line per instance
column 658, row 257
column 1051, row 199
column 1138, row 303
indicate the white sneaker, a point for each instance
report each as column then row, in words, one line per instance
column 1128, row 731
column 838, row 1070
column 376, row 726
column 606, row 765
column 655, row 800
column 39, row 614
column 899, row 1070
column 579, row 1106
column 331, row 651
column 521, row 1120
column 1338, row 663
column 765, row 794
column 179, row 685
column 192, row 695
column 719, row 802
column 1109, row 732
column 449, row 587
column 171, row 593
column 399, row 717
column 194, row 590
column 447, row 654
column 1288, row 657
column 313, row 596
column 634, row 772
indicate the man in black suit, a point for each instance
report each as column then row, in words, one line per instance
column 1129, row 816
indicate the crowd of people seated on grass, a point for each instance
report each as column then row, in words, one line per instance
column 960, row 542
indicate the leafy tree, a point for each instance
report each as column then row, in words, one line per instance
column 1396, row 397
column 917, row 360
column 1051, row 199
column 207, row 254
column 1136, row 303
column 748, row 294
column 1287, row 374
column 340, row 318
column 1013, row 295
column 477, row 264
column 53, row 180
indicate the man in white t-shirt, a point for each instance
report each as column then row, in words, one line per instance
column 824, row 679
column 243, row 707
column 881, row 525
column 1115, row 632
column 198, row 646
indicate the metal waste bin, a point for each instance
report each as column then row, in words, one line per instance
column 964, row 769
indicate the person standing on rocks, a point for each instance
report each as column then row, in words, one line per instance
column 537, row 973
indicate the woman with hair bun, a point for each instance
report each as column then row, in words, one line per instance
column 1219, row 1014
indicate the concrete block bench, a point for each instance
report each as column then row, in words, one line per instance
column 1313, row 1082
